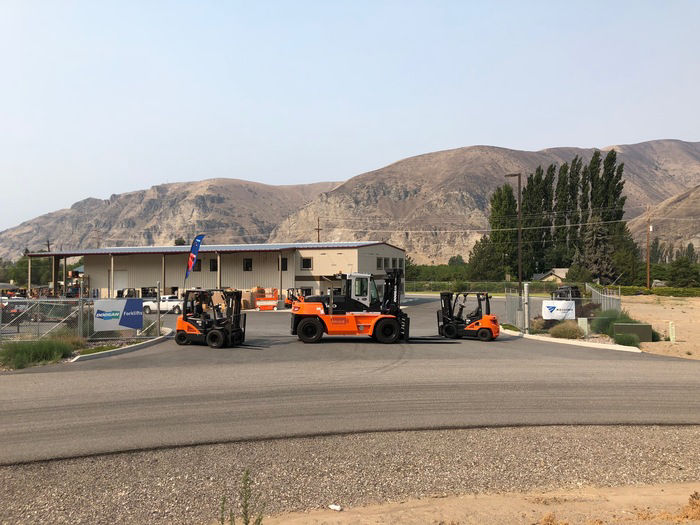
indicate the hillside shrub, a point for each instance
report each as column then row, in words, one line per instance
column 604, row 322
column 566, row 330
column 627, row 339
column 20, row 354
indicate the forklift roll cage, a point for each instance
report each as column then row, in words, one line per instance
column 211, row 317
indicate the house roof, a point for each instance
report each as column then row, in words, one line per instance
column 209, row 248
column 558, row 272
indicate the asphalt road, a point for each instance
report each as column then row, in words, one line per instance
column 276, row 386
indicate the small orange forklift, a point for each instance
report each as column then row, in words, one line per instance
column 292, row 295
column 355, row 310
column 479, row 323
column 211, row 317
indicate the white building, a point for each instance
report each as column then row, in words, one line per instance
column 239, row 266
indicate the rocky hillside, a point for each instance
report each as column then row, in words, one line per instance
column 675, row 220
column 408, row 202
column 227, row 210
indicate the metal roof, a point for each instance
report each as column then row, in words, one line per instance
column 209, row 248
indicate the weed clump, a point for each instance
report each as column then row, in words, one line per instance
column 566, row 330
column 627, row 339
column 20, row 354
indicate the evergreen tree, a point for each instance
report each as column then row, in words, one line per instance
column 558, row 253
column 656, row 251
column 533, row 220
column 584, row 201
column 578, row 273
column 503, row 221
column 691, row 254
column 683, row 273
column 574, row 217
column 485, row 261
column 547, row 211
column 611, row 201
column 456, row 260
column 629, row 268
column 598, row 252
column 597, row 185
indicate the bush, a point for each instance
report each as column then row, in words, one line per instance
column 589, row 309
column 20, row 354
column 604, row 322
column 664, row 291
column 566, row 330
column 655, row 336
column 627, row 339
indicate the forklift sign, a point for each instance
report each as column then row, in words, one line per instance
column 559, row 310
column 118, row 314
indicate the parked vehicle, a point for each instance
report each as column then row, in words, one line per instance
column 454, row 323
column 168, row 304
column 211, row 317
column 357, row 310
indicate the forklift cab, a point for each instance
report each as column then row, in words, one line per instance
column 354, row 292
column 212, row 317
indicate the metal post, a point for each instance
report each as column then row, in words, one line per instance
column 526, row 313
column 111, row 276
column 65, row 276
column 648, row 246
column 520, row 233
column 29, row 277
column 162, row 270
column 158, row 308
column 279, row 267
column 80, row 307
column 218, row 269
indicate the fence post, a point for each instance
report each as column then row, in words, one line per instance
column 80, row 308
column 526, row 300
column 672, row 331
column 158, row 307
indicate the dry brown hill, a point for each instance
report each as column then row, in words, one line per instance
column 448, row 191
column 675, row 220
column 227, row 210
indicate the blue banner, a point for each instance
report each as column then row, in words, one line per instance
column 118, row 314
column 194, row 251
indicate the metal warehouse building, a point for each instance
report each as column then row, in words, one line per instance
column 240, row 266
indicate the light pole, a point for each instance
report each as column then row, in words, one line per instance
column 520, row 234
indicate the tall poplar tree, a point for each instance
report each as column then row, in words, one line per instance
column 573, row 243
column 558, row 254
column 503, row 221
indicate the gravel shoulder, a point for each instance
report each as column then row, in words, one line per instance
column 185, row 485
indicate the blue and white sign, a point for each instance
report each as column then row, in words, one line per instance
column 559, row 310
column 118, row 314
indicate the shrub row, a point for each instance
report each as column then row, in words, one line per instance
column 665, row 291
column 20, row 354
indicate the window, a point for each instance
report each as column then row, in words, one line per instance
column 284, row 264
column 307, row 263
column 386, row 263
column 306, row 291
column 247, row 265
column 361, row 287
column 213, row 265
column 394, row 264
column 373, row 294
column 401, row 263
column 197, row 266
column 380, row 262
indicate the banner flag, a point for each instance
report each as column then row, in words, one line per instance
column 193, row 254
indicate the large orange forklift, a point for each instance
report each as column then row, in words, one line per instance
column 211, row 317
column 353, row 307
column 454, row 323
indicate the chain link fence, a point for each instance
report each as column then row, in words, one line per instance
column 607, row 298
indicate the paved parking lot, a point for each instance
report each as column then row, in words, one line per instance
column 276, row 386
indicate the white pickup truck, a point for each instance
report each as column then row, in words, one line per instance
column 168, row 304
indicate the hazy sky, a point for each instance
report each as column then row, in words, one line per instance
column 101, row 97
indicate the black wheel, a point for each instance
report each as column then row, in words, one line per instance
column 310, row 330
column 450, row 331
column 177, row 310
column 484, row 334
column 181, row 338
column 216, row 339
column 147, row 309
column 386, row 330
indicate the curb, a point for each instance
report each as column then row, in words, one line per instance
column 602, row 346
column 123, row 349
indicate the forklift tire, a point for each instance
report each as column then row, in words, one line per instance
column 484, row 334
column 450, row 331
column 310, row 330
column 182, row 339
column 386, row 330
column 216, row 339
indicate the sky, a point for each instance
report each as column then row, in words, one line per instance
column 104, row 97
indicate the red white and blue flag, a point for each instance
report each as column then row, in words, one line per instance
column 193, row 254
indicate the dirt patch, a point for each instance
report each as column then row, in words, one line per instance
column 644, row 504
column 683, row 311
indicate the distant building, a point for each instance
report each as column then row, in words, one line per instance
column 239, row 266
column 557, row 275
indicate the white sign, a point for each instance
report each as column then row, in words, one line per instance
column 118, row 314
column 559, row 310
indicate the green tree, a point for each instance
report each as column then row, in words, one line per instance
column 656, row 251
column 573, row 239
column 485, row 261
column 180, row 242
column 683, row 273
column 584, row 200
column 456, row 260
column 609, row 196
column 629, row 268
column 558, row 252
column 503, row 221
column 598, row 252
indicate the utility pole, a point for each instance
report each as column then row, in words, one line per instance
column 520, row 234
column 648, row 247
column 318, row 229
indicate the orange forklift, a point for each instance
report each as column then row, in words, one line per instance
column 292, row 296
column 353, row 307
column 453, row 323
column 211, row 317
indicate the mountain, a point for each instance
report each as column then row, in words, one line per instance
column 675, row 220
column 425, row 203
column 227, row 210
column 422, row 203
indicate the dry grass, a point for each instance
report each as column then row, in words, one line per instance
column 690, row 512
column 566, row 330
column 551, row 519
